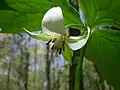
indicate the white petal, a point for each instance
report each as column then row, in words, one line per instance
column 78, row 42
column 42, row 36
column 46, row 31
column 53, row 21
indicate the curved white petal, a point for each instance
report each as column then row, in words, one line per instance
column 42, row 36
column 53, row 21
column 46, row 31
column 78, row 42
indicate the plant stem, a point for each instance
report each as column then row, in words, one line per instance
column 72, row 76
column 72, row 70
column 79, row 75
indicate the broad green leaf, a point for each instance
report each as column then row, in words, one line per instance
column 103, row 49
column 29, row 6
column 5, row 6
column 13, row 22
column 40, row 6
column 101, row 12
column 30, row 13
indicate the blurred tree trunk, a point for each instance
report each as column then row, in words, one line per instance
column 66, row 83
column 47, row 83
column 53, row 80
column 58, row 81
column 35, row 62
column 18, row 67
column 101, row 80
column 9, row 61
column 26, row 64
column 22, row 68
column 8, row 77
column 26, row 70
column 111, row 88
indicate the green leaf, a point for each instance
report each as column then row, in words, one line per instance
column 101, row 12
column 13, row 22
column 103, row 49
column 30, row 13
column 4, row 6
column 29, row 6
column 67, row 54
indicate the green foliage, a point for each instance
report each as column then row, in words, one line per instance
column 4, row 6
column 103, row 49
column 78, row 78
column 28, row 14
column 101, row 12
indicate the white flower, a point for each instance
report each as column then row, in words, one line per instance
column 54, row 31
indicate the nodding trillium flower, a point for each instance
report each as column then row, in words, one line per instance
column 54, row 31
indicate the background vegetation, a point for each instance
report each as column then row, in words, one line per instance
column 27, row 64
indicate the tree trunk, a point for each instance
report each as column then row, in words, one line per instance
column 47, row 70
column 26, row 70
column 58, row 81
column 101, row 80
column 35, row 62
column 8, row 77
column 53, row 80
column 26, row 64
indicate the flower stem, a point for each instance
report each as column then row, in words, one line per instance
column 79, row 75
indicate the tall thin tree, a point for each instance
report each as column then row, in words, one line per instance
column 47, row 84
